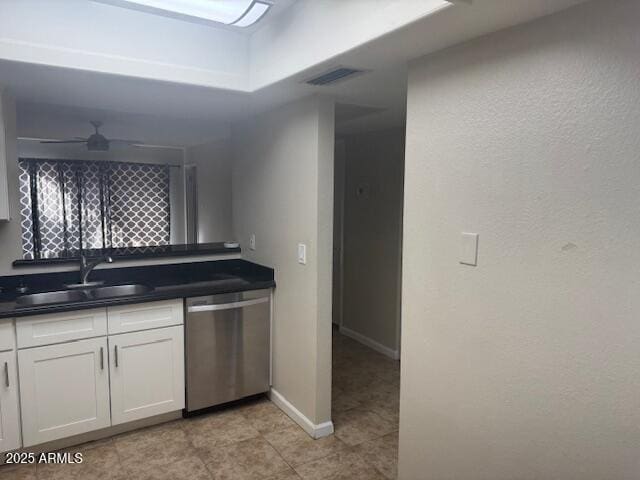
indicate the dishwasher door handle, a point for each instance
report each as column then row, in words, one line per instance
column 227, row 306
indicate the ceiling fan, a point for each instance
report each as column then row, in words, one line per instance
column 96, row 142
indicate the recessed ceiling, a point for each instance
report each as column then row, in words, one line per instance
column 381, row 93
column 194, row 111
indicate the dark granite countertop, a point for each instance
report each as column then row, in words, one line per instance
column 133, row 253
column 168, row 281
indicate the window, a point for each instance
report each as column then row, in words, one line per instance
column 240, row 13
column 68, row 205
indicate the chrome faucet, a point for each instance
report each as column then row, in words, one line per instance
column 86, row 267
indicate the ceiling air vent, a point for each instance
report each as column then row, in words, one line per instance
column 335, row 75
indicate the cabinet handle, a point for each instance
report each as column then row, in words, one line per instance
column 6, row 374
column 115, row 352
column 101, row 358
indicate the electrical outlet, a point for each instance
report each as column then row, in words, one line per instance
column 252, row 241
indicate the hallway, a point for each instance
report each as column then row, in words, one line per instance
column 366, row 394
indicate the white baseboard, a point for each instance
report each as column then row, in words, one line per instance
column 378, row 347
column 315, row 431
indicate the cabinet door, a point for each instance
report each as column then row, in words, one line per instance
column 147, row 373
column 64, row 390
column 7, row 335
column 9, row 412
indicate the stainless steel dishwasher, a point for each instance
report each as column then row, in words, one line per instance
column 228, row 347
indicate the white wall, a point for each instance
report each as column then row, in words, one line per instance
column 338, row 228
column 213, row 162
column 10, row 231
column 526, row 366
column 373, row 236
column 4, row 189
column 283, row 192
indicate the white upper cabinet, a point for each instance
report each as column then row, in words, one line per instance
column 7, row 114
column 64, row 390
column 147, row 373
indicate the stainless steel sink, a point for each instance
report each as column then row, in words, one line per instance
column 62, row 296
column 119, row 291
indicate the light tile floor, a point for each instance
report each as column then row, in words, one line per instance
column 256, row 441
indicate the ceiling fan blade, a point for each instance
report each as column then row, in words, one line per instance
column 123, row 141
column 63, row 141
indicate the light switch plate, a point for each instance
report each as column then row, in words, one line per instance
column 302, row 254
column 252, row 241
column 469, row 249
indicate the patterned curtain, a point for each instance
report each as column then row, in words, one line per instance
column 68, row 205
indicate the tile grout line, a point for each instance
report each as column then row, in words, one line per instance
column 198, row 453
column 277, row 451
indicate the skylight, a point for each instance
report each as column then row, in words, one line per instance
column 239, row 13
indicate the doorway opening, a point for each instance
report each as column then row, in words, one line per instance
column 368, row 201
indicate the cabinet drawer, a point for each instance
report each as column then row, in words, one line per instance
column 144, row 316
column 7, row 337
column 61, row 327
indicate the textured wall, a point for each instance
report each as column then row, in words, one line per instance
column 283, row 192
column 10, row 239
column 373, row 235
column 527, row 366
column 213, row 162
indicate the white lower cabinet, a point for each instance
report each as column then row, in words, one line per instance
column 75, row 379
column 147, row 373
column 64, row 390
column 9, row 410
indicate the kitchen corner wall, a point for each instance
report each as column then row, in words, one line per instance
column 526, row 366
column 10, row 232
column 372, row 237
column 213, row 163
column 283, row 193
